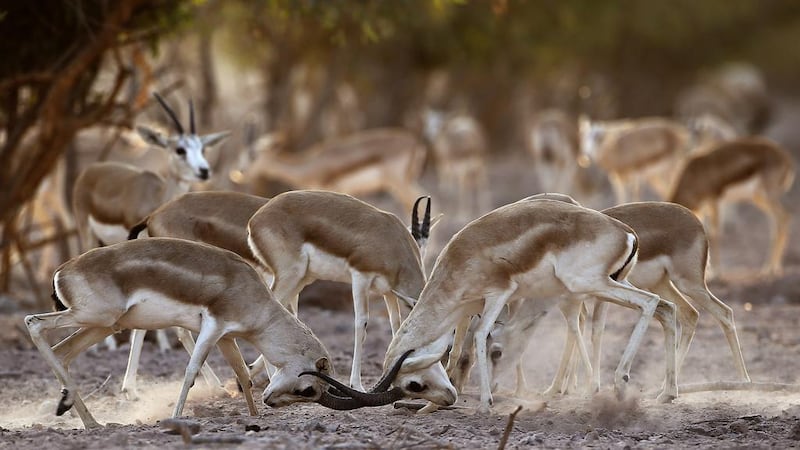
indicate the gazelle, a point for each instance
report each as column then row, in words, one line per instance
column 552, row 141
column 216, row 218
column 632, row 150
column 537, row 249
column 753, row 169
column 303, row 236
column 109, row 198
column 673, row 251
column 708, row 128
column 385, row 159
column 160, row 282
column 459, row 149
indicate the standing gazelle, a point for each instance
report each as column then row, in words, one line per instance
column 536, row 249
column 753, row 169
column 110, row 198
column 303, row 236
column 673, row 251
column 160, row 282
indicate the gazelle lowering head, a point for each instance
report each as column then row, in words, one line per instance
column 746, row 169
column 634, row 150
column 159, row 282
column 303, row 236
column 110, row 198
column 672, row 262
column 538, row 249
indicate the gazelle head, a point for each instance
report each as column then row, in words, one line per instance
column 590, row 136
column 187, row 150
column 289, row 384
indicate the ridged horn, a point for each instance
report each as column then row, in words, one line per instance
column 169, row 111
column 425, row 229
column 374, row 395
column 329, row 400
column 415, row 226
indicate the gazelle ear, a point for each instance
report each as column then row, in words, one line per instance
column 211, row 139
column 152, row 137
column 323, row 365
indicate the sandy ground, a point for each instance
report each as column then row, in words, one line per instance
column 767, row 312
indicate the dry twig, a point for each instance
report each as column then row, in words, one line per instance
column 509, row 426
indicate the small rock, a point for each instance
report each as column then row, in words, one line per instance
column 252, row 427
column 795, row 433
column 740, row 426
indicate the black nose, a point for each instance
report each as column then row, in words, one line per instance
column 203, row 174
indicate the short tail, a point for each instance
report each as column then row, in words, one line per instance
column 634, row 249
column 59, row 305
column 138, row 228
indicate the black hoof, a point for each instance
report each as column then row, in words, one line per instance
column 64, row 404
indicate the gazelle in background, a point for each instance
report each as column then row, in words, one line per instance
column 552, row 141
column 216, row 218
column 632, row 151
column 745, row 169
column 460, row 151
column 536, row 250
column 159, row 282
column 378, row 160
column 303, row 236
column 707, row 129
column 110, row 198
column 673, row 251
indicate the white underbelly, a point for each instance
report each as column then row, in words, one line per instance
column 108, row 233
column 325, row 266
column 149, row 310
column 365, row 180
column 744, row 190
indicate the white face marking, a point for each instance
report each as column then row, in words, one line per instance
column 192, row 149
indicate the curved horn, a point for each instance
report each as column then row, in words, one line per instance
column 415, row 220
column 345, row 403
column 374, row 394
column 169, row 111
column 191, row 117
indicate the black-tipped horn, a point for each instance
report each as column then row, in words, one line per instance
column 191, row 117
column 169, row 111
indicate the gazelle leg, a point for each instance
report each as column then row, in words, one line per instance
column 68, row 349
column 230, row 350
column 493, row 306
column 714, row 232
column 522, row 384
column 458, row 367
column 687, row 316
column 129, row 381
column 393, row 308
column 625, row 294
column 779, row 227
column 185, row 338
column 361, row 286
column 209, row 334
column 598, row 327
column 38, row 323
column 697, row 290
column 561, row 372
column 163, row 340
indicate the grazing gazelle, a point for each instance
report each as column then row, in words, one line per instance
column 109, row 198
column 303, row 236
column 536, row 250
column 459, row 149
column 216, row 218
column 633, row 150
column 745, row 169
column 366, row 162
column 161, row 282
column 673, row 251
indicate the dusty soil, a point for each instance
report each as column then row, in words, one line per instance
column 767, row 312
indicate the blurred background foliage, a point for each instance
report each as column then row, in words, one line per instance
column 68, row 65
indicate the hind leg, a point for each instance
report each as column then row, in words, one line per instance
column 230, row 350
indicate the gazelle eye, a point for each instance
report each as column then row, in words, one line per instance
column 415, row 387
column 307, row 392
column 180, row 150
column 496, row 354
